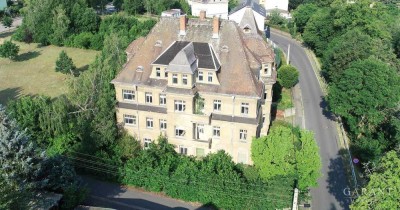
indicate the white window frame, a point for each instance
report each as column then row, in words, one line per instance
column 244, row 108
column 177, row 134
column 216, row 131
column 149, row 98
column 210, row 77
column 175, row 78
column 163, row 124
column 179, row 105
column 184, row 79
column 243, row 135
column 217, row 105
column 158, row 72
column 128, row 93
column 163, row 99
column 200, row 75
column 183, row 150
column 128, row 117
column 149, row 122
column 146, row 143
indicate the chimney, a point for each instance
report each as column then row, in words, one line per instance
column 182, row 25
column 202, row 15
column 215, row 28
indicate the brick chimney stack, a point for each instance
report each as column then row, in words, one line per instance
column 182, row 25
column 215, row 27
column 202, row 15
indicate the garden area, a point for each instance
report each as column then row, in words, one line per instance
column 32, row 72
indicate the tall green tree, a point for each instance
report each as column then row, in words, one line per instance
column 64, row 64
column 60, row 26
column 133, row 7
column 365, row 95
column 383, row 188
column 308, row 162
column 302, row 15
column 319, row 30
column 351, row 46
column 273, row 154
column 288, row 76
column 9, row 50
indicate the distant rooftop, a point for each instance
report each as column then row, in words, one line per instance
column 250, row 4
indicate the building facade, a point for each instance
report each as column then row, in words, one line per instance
column 275, row 4
column 204, row 84
column 212, row 8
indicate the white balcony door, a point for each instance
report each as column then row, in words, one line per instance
column 200, row 132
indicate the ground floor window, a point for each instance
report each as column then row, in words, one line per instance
column 146, row 143
column 183, row 150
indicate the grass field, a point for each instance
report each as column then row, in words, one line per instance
column 33, row 72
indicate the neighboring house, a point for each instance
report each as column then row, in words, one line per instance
column 275, row 4
column 259, row 13
column 213, row 8
column 206, row 84
column 171, row 13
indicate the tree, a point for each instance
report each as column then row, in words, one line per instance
column 7, row 21
column 366, row 94
column 351, row 46
column 308, row 162
column 9, row 50
column 64, row 64
column 273, row 154
column 60, row 26
column 319, row 30
column 232, row 4
column 383, row 188
column 275, row 18
column 19, row 163
column 288, row 76
column 302, row 14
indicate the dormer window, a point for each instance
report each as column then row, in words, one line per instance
column 246, row 29
column 184, row 79
column 174, row 78
column 139, row 69
column 200, row 76
column 158, row 72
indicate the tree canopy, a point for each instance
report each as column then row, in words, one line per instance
column 288, row 76
column 302, row 14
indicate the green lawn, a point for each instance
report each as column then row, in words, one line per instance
column 33, row 72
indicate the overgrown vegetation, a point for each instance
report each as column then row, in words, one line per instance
column 359, row 48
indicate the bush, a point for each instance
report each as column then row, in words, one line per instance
column 213, row 179
column 64, row 64
column 9, row 50
column 288, row 76
column 82, row 40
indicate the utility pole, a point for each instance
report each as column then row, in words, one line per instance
column 288, row 55
column 295, row 198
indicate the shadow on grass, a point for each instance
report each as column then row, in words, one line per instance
column 81, row 69
column 9, row 94
column 6, row 34
column 27, row 56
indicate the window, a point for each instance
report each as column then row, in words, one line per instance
column 200, row 76
column 128, row 95
column 149, row 98
column 146, row 143
column 216, row 131
column 179, row 132
column 245, row 108
column 180, row 106
column 129, row 119
column 163, row 124
column 200, row 152
column 243, row 135
column 217, row 105
column 166, row 74
column 163, row 99
column 266, row 70
column 158, row 72
column 174, row 78
column 182, row 150
column 149, row 122
column 265, row 95
column 184, row 79
column 210, row 76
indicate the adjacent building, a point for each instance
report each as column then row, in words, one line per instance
column 205, row 84
column 212, row 8
column 249, row 6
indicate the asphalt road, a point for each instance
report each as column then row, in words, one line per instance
column 110, row 195
column 329, row 194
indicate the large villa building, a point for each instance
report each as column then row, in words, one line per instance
column 205, row 84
